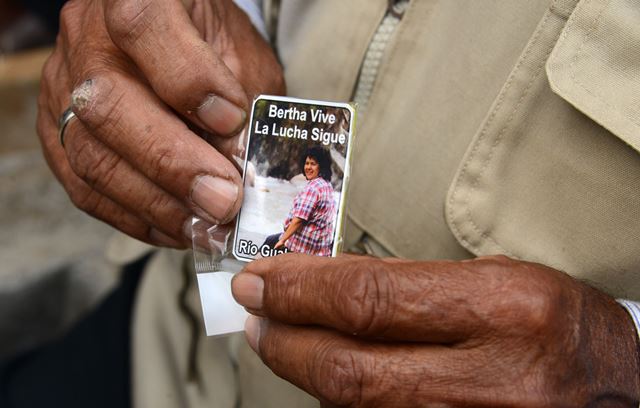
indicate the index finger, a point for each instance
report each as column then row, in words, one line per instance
column 437, row 301
column 126, row 116
column 161, row 39
column 345, row 371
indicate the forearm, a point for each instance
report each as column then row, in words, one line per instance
column 294, row 225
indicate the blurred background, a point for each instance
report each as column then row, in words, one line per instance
column 52, row 268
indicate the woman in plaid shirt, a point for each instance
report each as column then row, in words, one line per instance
column 309, row 226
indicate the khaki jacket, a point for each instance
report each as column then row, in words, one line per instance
column 508, row 127
column 494, row 126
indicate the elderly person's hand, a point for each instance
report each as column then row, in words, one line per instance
column 151, row 80
column 488, row 332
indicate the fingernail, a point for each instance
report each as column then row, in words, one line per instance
column 252, row 328
column 216, row 196
column 247, row 289
column 162, row 239
column 222, row 116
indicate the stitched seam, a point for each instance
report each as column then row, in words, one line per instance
column 559, row 11
column 464, row 170
column 570, row 24
column 495, row 144
column 574, row 61
column 604, row 102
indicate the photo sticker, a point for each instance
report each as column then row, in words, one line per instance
column 295, row 178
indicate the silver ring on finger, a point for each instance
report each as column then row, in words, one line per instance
column 63, row 121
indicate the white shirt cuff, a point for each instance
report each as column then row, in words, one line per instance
column 253, row 9
column 634, row 310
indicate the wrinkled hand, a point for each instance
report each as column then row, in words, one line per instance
column 151, row 80
column 489, row 332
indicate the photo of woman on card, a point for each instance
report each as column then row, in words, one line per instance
column 310, row 224
column 295, row 176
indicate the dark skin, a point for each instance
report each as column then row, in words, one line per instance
column 143, row 74
column 353, row 331
column 364, row 332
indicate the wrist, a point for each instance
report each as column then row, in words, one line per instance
column 633, row 312
column 612, row 341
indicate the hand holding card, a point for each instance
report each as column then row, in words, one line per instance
column 295, row 177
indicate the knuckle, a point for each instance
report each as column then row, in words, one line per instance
column 50, row 68
column 101, row 207
column 337, row 375
column 161, row 158
column 97, row 103
column 70, row 15
column 85, row 199
column 366, row 295
column 128, row 20
column 184, row 93
column 538, row 309
column 96, row 166
column 528, row 298
column 161, row 209
column 44, row 128
column 51, row 85
column 158, row 202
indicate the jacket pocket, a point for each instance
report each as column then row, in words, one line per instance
column 595, row 65
column 553, row 174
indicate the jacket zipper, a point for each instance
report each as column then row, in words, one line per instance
column 376, row 52
column 368, row 74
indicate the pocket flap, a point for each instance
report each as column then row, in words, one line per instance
column 595, row 65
